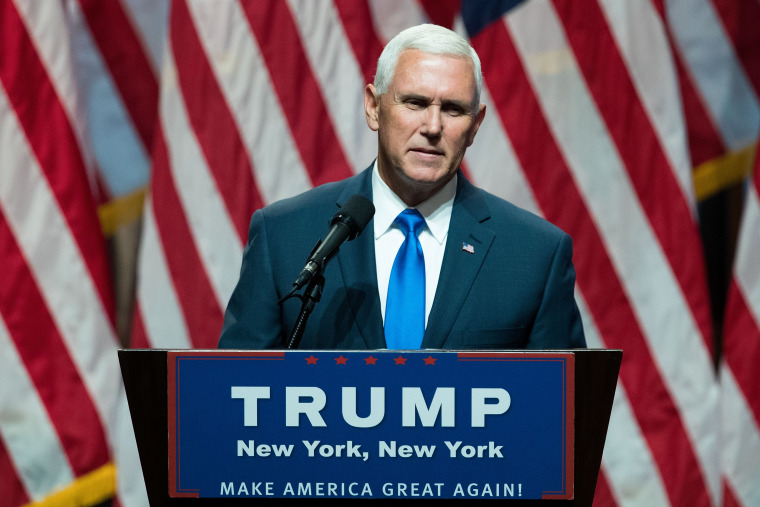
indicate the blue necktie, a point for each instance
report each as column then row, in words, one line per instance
column 405, row 305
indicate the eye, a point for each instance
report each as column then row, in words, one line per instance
column 413, row 103
column 454, row 110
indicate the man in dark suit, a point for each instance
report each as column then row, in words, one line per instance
column 494, row 276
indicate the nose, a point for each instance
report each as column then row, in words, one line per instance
column 432, row 125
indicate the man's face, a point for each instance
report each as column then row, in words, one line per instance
column 425, row 122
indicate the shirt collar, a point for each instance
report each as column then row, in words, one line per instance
column 436, row 210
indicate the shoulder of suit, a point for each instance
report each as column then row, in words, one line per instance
column 320, row 199
column 507, row 213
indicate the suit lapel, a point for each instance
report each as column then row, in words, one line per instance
column 357, row 266
column 467, row 245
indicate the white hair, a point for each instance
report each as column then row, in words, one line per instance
column 427, row 38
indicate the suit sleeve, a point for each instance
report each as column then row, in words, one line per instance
column 558, row 322
column 252, row 319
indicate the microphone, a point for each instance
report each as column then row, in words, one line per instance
column 346, row 224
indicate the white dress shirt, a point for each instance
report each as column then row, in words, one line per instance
column 388, row 236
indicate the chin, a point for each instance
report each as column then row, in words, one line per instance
column 428, row 176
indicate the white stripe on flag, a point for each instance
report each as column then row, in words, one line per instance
column 130, row 480
column 392, row 16
column 627, row 460
column 161, row 312
column 747, row 267
column 492, row 161
column 713, row 64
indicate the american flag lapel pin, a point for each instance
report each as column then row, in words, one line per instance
column 468, row 248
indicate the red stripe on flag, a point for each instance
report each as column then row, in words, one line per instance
column 558, row 197
column 729, row 498
column 188, row 273
column 741, row 19
column 741, row 347
column 357, row 23
column 47, row 360
column 124, row 54
column 650, row 172
column 139, row 338
column 300, row 96
column 602, row 493
column 465, row 169
column 54, row 144
column 441, row 12
column 101, row 192
column 213, row 123
column 12, row 491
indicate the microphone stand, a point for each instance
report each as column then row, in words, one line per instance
column 345, row 225
column 311, row 296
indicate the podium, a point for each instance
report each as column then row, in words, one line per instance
column 590, row 387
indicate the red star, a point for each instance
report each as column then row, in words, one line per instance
column 311, row 359
column 430, row 360
column 341, row 360
column 370, row 360
column 400, row 360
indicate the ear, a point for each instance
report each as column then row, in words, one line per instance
column 371, row 107
column 476, row 124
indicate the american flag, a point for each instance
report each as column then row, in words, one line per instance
column 75, row 131
column 611, row 118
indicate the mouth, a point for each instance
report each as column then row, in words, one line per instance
column 427, row 152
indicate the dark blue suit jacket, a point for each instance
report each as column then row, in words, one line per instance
column 514, row 291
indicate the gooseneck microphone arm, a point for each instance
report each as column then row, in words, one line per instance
column 346, row 225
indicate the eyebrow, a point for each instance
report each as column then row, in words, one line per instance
column 465, row 106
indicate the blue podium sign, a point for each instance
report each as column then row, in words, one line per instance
column 371, row 424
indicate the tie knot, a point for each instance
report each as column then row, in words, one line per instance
column 410, row 220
